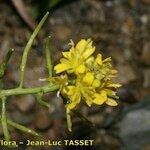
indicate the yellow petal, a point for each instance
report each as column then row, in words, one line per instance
column 100, row 98
column 87, row 96
column 107, row 59
column 67, row 55
column 75, row 100
column 110, row 92
column 113, row 71
column 64, row 61
column 96, row 83
column 81, row 45
column 99, row 59
column 89, row 103
column 115, row 85
column 88, row 78
column 80, row 69
column 74, row 97
column 90, row 60
column 71, row 90
column 88, row 52
column 61, row 67
column 111, row 102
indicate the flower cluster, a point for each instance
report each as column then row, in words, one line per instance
column 91, row 77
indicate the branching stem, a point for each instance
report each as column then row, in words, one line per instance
column 28, row 48
column 23, row 91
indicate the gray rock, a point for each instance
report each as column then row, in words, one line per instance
column 134, row 129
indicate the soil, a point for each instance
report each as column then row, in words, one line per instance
column 118, row 28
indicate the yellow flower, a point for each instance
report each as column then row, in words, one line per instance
column 90, row 80
column 74, row 60
column 111, row 102
column 92, row 76
column 105, row 95
column 61, row 80
column 81, row 90
column 85, row 89
column 99, row 59
column 89, row 89
column 74, row 96
column 102, row 69
column 100, row 98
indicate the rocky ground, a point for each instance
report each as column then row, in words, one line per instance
column 119, row 29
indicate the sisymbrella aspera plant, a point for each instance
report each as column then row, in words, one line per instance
column 79, row 76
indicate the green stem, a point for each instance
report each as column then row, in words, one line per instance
column 40, row 101
column 21, row 91
column 8, row 56
column 4, row 120
column 22, row 128
column 5, row 62
column 48, row 57
column 27, row 49
column 68, row 117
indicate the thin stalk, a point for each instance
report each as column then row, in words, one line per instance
column 23, row 91
column 4, row 120
column 8, row 56
column 40, row 101
column 5, row 62
column 22, row 128
column 48, row 57
column 3, row 66
column 27, row 49
column 68, row 117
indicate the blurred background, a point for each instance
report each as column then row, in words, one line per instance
column 120, row 29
